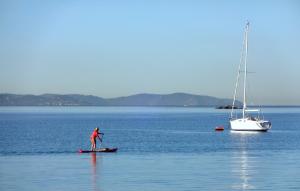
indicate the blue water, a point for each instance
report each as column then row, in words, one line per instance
column 159, row 149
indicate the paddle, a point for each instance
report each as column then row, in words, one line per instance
column 101, row 139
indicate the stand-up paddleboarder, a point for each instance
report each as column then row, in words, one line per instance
column 96, row 134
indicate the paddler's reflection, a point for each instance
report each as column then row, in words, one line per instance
column 94, row 162
column 94, row 171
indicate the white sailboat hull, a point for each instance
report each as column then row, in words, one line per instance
column 248, row 124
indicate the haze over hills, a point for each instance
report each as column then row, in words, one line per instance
column 175, row 99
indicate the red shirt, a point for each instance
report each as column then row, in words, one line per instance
column 94, row 135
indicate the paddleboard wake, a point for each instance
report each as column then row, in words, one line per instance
column 108, row 150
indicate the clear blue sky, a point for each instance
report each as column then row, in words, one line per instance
column 114, row 48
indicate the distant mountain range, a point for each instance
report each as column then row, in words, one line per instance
column 175, row 99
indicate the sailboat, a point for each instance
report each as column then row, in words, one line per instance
column 246, row 122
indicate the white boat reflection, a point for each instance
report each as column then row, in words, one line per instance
column 243, row 166
column 245, row 132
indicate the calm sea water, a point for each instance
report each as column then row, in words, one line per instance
column 159, row 149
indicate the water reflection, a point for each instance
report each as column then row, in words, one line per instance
column 243, row 134
column 95, row 167
column 243, row 166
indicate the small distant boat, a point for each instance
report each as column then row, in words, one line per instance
column 228, row 107
column 219, row 128
column 246, row 122
column 107, row 150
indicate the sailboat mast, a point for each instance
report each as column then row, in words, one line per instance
column 238, row 75
column 245, row 69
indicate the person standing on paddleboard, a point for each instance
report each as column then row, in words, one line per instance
column 94, row 136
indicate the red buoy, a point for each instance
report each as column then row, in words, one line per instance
column 219, row 128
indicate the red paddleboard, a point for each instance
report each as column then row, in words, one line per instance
column 107, row 150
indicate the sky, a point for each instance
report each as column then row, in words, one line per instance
column 112, row 48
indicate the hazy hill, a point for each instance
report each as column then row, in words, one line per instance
column 50, row 100
column 175, row 99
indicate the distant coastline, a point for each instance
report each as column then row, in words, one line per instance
column 145, row 99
